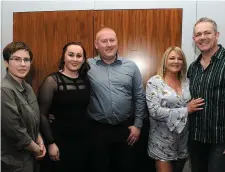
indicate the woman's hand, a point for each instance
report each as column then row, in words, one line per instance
column 42, row 151
column 53, row 152
column 195, row 105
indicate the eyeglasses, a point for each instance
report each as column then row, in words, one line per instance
column 19, row 60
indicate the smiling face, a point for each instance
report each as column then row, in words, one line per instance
column 19, row 64
column 106, row 43
column 174, row 62
column 205, row 37
column 73, row 58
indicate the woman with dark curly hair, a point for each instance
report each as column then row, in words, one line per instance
column 65, row 95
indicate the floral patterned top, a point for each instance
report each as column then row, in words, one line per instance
column 168, row 119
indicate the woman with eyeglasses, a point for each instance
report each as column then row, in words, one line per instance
column 21, row 142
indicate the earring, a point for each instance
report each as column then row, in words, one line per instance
column 164, row 69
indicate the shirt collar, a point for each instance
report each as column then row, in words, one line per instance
column 18, row 86
column 99, row 61
column 217, row 55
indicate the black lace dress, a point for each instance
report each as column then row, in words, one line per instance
column 67, row 99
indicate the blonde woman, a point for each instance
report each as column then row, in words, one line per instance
column 168, row 99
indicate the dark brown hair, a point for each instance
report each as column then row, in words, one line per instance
column 13, row 47
column 85, row 66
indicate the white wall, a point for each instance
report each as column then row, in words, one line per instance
column 216, row 11
column 191, row 11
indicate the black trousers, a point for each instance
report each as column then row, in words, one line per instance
column 144, row 162
column 207, row 157
column 110, row 150
column 74, row 154
column 72, row 158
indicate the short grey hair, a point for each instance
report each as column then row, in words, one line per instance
column 206, row 19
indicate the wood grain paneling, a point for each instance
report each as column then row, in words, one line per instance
column 47, row 32
column 143, row 35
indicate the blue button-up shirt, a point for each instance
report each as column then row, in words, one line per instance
column 117, row 92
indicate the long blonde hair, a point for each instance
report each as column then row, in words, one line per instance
column 162, row 68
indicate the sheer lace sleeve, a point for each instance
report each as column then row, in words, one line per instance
column 45, row 96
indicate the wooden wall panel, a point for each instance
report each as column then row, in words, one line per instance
column 47, row 32
column 143, row 34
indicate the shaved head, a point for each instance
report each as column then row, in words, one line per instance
column 106, row 44
column 103, row 30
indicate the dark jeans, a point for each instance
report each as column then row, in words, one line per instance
column 206, row 157
column 110, row 150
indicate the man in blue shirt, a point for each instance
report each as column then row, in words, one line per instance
column 117, row 105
